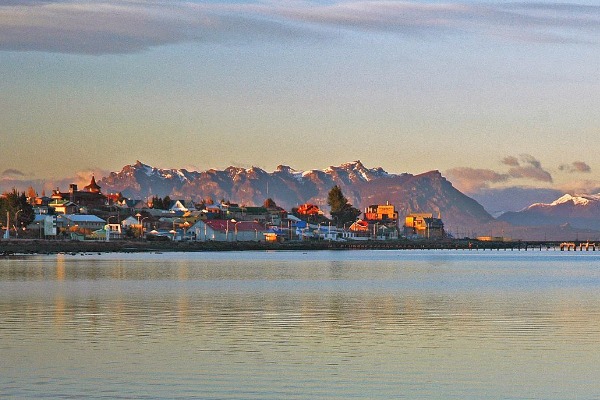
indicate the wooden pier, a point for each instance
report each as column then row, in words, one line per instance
column 587, row 246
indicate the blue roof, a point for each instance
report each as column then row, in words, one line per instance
column 84, row 218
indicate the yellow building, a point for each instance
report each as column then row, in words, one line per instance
column 423, row 225
column 378, row 212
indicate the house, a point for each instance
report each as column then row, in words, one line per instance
column 360, row 226
column 90, row 196
column 132, row 205
column 309, row 210
column 244, row 213
column 381, row 213
column 63, row 207
column 423, row 225
column 80, row 222
column 181, row 205
column 45, row 225
column 225, row 230
column 130, row 222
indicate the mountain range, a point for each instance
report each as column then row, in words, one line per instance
column 428, row 192
column 580, row 211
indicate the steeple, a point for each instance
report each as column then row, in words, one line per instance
column 93, row 186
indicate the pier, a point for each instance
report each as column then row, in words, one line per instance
column 25, row 246
column 587, row 246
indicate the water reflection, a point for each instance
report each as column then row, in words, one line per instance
column 283, row 326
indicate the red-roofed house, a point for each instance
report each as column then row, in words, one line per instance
column 225, row 230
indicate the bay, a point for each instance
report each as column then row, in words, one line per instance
column 302, row 325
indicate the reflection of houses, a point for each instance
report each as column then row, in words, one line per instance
column 224, row 230
column 423, row 225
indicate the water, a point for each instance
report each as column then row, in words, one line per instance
column 302, row 325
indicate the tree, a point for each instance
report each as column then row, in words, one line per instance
column 31, row 193
column 156, row 202
column 340, row 209
column 18, row 208
column 160, row 203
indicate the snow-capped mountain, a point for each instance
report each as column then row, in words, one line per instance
column 429, row 192
column 580, row 211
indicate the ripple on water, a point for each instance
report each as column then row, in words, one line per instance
column 369, row 325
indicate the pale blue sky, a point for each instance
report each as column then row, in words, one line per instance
column 410, row 86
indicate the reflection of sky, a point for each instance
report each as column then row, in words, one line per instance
column 448, row 80
column 310, row 325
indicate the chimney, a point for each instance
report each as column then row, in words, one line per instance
column 72, row 190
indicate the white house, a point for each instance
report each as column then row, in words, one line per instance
column 81, row 221
column 224, row 230
column 130, row 222
column 181, row 205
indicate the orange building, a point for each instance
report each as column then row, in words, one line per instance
column 383, row 213
column 309, row 209
column 423, row 225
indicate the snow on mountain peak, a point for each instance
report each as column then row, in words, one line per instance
column 358, row 169
column 577, row 200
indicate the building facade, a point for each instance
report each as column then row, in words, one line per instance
column 424, row 226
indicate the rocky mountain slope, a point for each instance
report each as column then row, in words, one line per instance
column 581, row 211
column 427, row 192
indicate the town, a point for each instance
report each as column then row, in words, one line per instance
column 88, row 214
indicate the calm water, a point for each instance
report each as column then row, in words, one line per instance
column 286, row 325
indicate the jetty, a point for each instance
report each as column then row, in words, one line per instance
column 28, row 246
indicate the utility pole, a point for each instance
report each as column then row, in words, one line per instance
column 7, row 233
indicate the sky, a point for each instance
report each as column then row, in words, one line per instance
column 494, row 94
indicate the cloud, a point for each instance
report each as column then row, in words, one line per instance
column 585, row 186
column 473, row 180
column 531, row 170
column 125, row 26
column 575, row 166
column 531, row 160
column 12, row 173
column 470, row 180
column 510, row 160
column 81, row 178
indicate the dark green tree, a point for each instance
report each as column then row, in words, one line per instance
column 340, row 209
column 157, row 202
column 18, row 208
column 160, row 203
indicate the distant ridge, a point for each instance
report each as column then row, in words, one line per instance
column 579, row 211
column 427, row 192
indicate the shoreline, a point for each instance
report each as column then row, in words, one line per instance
column 33, row 246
